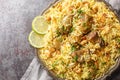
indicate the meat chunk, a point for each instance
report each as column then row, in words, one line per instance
column 92, row 36
column 95, row 38
column 87, row 24
column 67, row 20
column 101, row 42
column 85, row 28
column 67, row 24
column 79, row 54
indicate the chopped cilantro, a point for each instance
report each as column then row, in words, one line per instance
column 119, row 50
column 118, row 40
column 84, row 24
column 54, row 64
column 80, row 11
column 62, row 75
column 73, row 48
column 71, row 29
column 62, row 63
column 72, row 11
column 103, row 63
column 63, row 28
column 76, row 58
column 58, row 33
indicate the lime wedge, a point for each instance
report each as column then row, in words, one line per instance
column 36, row 40
column 40, row 25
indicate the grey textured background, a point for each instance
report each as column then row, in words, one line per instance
column 15, row 24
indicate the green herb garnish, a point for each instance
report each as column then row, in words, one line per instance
column 119, row 50
column 80, row 11
column 62, row 62
column 54, row 64
column 76, row 58
column 58, row 33
column 103, row 63
column 118, row 40
column 63, row 28
column 71, row 29
column 73, row 48
column 84, row 24
column 62, row 75
column 72, row 11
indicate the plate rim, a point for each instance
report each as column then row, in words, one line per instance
column 103, row 76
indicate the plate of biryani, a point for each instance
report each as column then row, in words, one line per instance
column 77, row 39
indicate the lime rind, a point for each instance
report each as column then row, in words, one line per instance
column 36, row 40
column 40, row 25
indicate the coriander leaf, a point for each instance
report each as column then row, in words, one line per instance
column 80, row 11
column 118, row 50
column 71, row 29
column 76, row 58
column 103, row 63
column 63, row 28
column 58, row 33
column 62, row 62
column 73, row 48
column 84, row 24
column 54, row 64
column 72, row 11
column 118, row 40
column 62, row 75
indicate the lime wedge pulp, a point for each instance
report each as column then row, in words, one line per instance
column 40, row 25
column 36, row 40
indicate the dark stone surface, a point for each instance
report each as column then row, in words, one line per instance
column 15, row 24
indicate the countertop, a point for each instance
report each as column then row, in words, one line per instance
column 15, row 24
